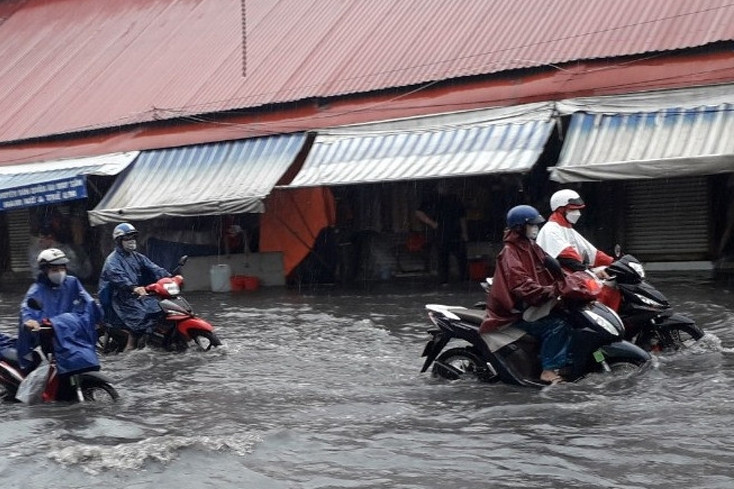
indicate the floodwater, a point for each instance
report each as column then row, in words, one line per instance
column 321, row 389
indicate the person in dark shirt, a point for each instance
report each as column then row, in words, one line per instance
column 445, row 214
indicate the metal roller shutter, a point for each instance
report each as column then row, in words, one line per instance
column 668, row 219
column 19, row 233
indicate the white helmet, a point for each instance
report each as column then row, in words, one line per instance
column 564, row 198
column 51, row 257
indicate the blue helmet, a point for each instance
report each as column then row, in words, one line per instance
column 124, row 229
column 523, row 214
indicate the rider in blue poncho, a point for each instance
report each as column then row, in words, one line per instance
column 121, row 286
column 62, row 300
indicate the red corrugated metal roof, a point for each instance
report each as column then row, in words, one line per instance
column 73, row 65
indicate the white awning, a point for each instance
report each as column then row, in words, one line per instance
column 50, row 182
column 690, row 136
column 504, row 140
column 220, row 178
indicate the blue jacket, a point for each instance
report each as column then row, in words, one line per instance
column 122, row 272
column 69, row 307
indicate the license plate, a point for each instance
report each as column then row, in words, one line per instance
column 598, row 356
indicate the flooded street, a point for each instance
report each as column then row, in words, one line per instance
column 321, row 389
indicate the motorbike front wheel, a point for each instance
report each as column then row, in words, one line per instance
column 95, row 390
column 462, row 363
column 624, row 366
column 204, row 340
column 669, row 339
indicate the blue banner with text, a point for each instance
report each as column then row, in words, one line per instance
column 44, row 193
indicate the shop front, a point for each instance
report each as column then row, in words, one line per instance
column 44, row 204
column 381, row 173
column 657, row 160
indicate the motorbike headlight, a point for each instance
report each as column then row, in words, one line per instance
column 649, row 302
column 172, row 288
column 603, row 322
column 638, row 268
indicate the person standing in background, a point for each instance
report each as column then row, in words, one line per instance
column 445, row 214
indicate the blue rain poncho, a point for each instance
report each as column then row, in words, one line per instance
column 73, row 314
column 122, row 272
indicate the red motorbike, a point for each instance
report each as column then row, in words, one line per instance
column 177, row 328
column 48, row 385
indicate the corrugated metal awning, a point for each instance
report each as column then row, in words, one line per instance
column 506, row 140
column 51, row 182
column 654, row 135
column 209, row 179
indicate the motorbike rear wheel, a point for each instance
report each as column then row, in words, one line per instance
column 111, row 340
column 204, row 340
column 99, row 391
column 462, row 363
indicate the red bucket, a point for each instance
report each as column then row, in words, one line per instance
column 244, row 282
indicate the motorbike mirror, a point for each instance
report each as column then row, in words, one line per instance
column 181, row 262
column 34, row 303
column 617, row 250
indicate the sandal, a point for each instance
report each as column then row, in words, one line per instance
column 552, row 377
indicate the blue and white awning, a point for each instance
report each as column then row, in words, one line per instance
column 504, row 140
column 209, row 179
column 664, row 134
column 51, row 182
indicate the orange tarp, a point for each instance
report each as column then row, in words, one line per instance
column 292, row 220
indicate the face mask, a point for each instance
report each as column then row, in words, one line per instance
column 129, row 245
column 57, row 277
column 573, row 216
column 531, row 231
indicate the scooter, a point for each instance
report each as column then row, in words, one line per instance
column 647, row 315
column 88, row 385
column 648, row 318
column 511, row 355
column 177, row 327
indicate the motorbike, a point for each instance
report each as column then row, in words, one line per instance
column 512, row 356
column 648, row 318
column 647, row 315
column 178, row 327
column 86, row 385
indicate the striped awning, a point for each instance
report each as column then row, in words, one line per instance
column 661, row 134
column 504, row 140
column 210, row 179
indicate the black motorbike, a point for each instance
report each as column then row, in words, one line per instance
column 647, row 315
column 512, row 356
column 648, row 318
column 81, row 386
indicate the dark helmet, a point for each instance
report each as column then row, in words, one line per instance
column 51, row 257
column 124, row 230
column 523, row 214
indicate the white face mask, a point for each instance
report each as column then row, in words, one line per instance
column 531, row 231
column 129, row 245
column 573, row 216
column 57, row 277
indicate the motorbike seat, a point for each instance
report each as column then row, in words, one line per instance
column 471, row 316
